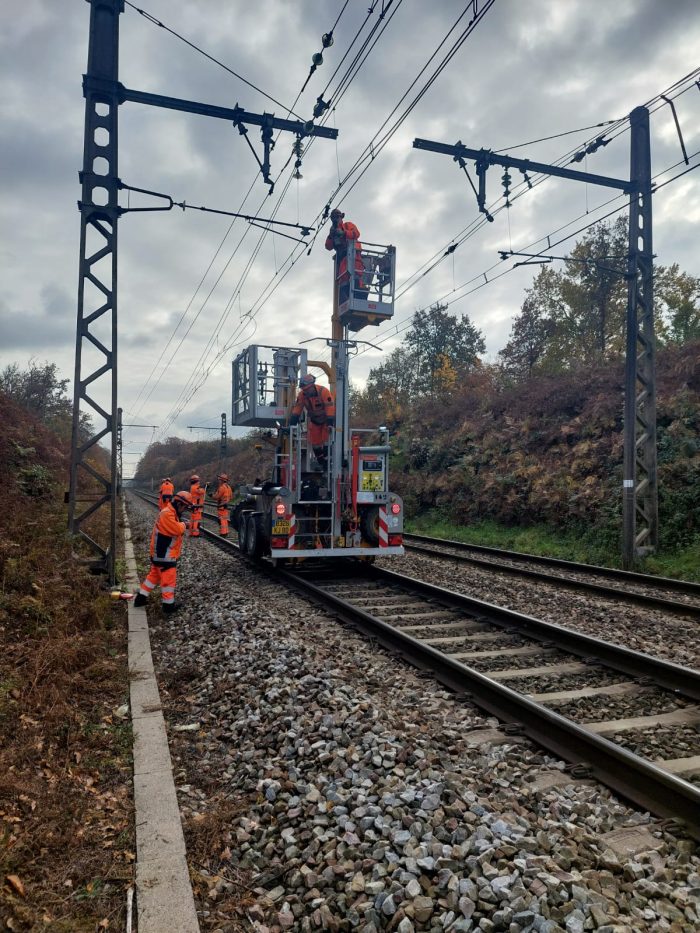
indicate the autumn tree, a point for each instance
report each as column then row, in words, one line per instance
column 529, row 340
column 438, row 339
column 594, row 292
column 578, row 315
column 677, row 299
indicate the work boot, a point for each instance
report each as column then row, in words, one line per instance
column 140, row 599
column 170, row 608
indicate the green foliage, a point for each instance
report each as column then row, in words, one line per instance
column 437, row 338
column 584, row 544
column 576, row 316
column 677, row 298
column 437, row 353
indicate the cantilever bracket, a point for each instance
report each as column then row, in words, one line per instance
column 266, row 134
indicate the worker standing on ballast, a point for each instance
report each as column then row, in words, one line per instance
column 198, row 492
column 166, row 545
column 342, row 232
column 166, row 492
column 320, row 408
column 222, row 497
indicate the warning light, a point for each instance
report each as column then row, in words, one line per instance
column 280, row 508
column 395, row 509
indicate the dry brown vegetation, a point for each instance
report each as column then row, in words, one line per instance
column 66, row 833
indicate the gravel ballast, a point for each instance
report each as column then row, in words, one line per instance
column 650, row 630
column 326, row 785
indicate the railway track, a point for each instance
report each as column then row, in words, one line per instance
column 648, row 593
column 616, row 715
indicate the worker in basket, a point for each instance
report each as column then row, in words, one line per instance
column 319, row 405
column 343, row 232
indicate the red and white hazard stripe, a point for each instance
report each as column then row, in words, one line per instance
column 383, row 528
column 292, row 531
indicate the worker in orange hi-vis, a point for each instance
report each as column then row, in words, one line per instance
column 198, row 492
column 166, row 546
column 166, row 492
column 320, row 407
column 222, row 497
column 341, row 232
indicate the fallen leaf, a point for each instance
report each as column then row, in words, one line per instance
column 15, row 882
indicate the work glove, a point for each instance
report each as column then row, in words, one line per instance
column 330, row 422
column 293, row 421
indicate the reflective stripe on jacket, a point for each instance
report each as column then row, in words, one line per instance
column 318, row 402
column 166, row 538
column 223, row 494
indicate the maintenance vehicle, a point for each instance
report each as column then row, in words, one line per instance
column 339, row 505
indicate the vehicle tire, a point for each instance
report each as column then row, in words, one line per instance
column 256, row 545
column 369, row 524
column 243, row 532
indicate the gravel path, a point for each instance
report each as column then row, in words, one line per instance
column 326, row 785
column 648, row 630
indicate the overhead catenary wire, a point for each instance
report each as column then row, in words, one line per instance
column 623, row 121
column 212, row 58
column 483, row 279
column 282, row 272
column 258, row 245
column 621, row 126
column 208, row 269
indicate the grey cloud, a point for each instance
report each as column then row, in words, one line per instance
column 49, row 327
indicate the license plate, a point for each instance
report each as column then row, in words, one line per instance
column 280, row 528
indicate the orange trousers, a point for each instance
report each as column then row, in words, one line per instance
column 165, row 578
column 194, row 523
column 222, row 512
column 318, row 434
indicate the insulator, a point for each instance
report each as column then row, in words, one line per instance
column 327, row 40
column 320, row 107
column 317, row 59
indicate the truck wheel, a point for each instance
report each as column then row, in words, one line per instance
column 369, row 525
column 255, row 538
column 243, row 532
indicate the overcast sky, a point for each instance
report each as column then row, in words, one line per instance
column 529, row 70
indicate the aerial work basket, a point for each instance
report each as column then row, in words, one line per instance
column 366, row 289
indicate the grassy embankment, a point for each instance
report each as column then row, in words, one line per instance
column 66, row 826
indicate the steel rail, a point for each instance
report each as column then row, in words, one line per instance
column 667, row 583
column 570, row 583
column 632, row 777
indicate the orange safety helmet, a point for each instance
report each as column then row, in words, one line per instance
column 194, row 478
column 224, row 477
column 183, row 498
column 307, row 380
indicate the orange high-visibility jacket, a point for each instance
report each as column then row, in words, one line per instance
column 166, row 538
column 223, row 494
column 198, row 494
column 318, row 402
column 350, row 232
column 167, row 489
